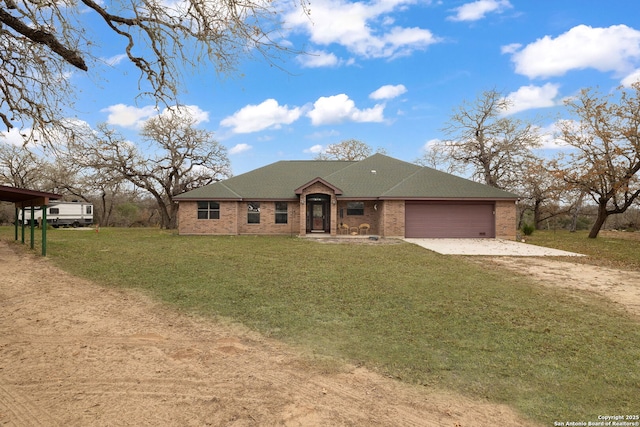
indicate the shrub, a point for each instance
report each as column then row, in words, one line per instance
column 528, row 229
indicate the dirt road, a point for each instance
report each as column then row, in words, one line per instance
column 75, row 354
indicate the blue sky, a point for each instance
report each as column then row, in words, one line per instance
column 389, row 73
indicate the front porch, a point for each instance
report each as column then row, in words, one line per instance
column 324, row 215
column 325, row 211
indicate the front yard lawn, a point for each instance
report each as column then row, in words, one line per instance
column 427, row 319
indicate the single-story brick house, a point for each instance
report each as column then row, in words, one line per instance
column 379, row 196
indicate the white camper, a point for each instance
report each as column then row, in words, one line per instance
column 63, row 214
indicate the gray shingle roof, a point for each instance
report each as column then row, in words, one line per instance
column 378, row 176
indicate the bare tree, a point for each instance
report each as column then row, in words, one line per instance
column 41, row 43
column 483, row 141
column 110, row 188
column 605, row 159
column 185, row 158
column 19, row 167
column 349, row 149
column 543, row 193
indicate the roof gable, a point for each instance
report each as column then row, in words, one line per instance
column 335, row 189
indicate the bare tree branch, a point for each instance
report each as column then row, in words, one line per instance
column 606, row 161
column 45, row 38
column 40, row 43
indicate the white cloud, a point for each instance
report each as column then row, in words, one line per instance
column 431, row 143
column 631, row 78
column 314, row 149
column 478, row 9
column 193, row 111
column 362, row 28
column 14, row 136
column 339, row 108
column 128, row 116
column 510, row 48
column 330, row 133
column 529, row 97
column 240, row 148
column 114, row 60
column 388, row 92
column 254, row 118
column 549, row 136
column 318, row 58
column 616, row 48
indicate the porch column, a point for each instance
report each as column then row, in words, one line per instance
column 303, row 215
column 333, row 207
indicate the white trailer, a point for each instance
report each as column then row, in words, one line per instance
column 62, row 214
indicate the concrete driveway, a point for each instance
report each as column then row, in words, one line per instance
column 490, row 247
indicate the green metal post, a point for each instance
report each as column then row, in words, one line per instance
column 44, row 230
column 22, row 223
column 33, row 227
column 15, row 223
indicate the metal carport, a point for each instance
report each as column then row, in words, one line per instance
column 23, row 198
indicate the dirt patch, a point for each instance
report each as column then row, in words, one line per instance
column 619, row 286
column 76, row 354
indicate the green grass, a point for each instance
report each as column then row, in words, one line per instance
column 426, row 319
column 609, row 248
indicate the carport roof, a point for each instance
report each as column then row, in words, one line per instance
column 23, row 197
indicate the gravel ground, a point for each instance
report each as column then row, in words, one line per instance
column 486, row 247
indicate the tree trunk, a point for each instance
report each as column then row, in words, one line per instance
column 576, row 211
column 165, row 218
column 537, row 220
column 104, row 217
column 602, row 217
column 173, row 224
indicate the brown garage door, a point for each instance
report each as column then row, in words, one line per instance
column 437, row 219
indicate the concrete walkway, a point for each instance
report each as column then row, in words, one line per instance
column 486, row 247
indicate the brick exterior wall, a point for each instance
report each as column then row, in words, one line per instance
column 506, row 219
column 371, row 216
column 188, row 222
column 386, row 218
column 233, row 219
column 392, row 218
